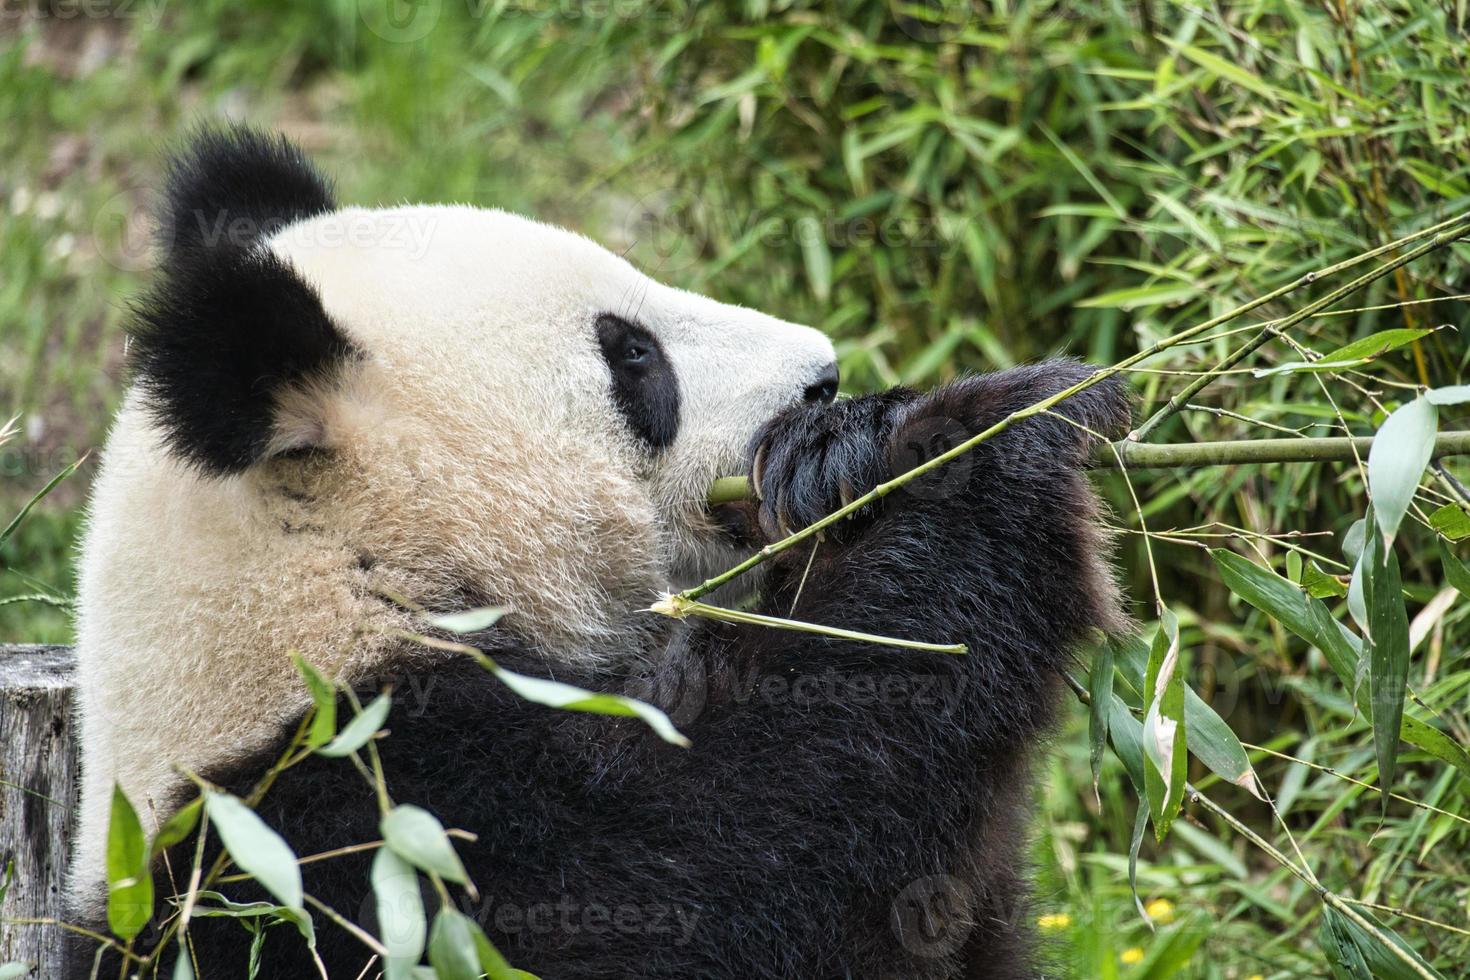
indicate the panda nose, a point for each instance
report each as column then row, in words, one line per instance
column 824, row 389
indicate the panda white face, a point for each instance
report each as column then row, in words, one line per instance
column 503, row 326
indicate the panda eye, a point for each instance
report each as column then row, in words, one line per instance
column 636, row 353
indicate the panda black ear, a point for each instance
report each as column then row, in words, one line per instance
column 230, row 329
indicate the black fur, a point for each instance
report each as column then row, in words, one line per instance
column 229, row 325
column 643, row 383
column 234, row 187
column 846, row 810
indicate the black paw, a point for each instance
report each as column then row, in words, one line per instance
column 813, row 459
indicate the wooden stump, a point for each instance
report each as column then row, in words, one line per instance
column 38, row 797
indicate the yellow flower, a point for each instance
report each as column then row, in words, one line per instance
column 1255, row 976
column 1161, row 910
column 1131, row 955
column 1054, row 921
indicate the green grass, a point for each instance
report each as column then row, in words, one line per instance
column 1012, row 180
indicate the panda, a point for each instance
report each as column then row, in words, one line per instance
column 341, row 417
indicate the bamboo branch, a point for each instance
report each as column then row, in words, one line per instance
column 1454, row 229
column 1144, row 456
column 1339, row 902
column 1271, row 328
column 1199, row 384
column 1248, row 451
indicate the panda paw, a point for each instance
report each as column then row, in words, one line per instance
column 813, row 459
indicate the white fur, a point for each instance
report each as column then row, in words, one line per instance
column 475, row 445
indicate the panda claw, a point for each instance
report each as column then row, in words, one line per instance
column 758, row 471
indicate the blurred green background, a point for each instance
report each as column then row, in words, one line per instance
column 942, row 186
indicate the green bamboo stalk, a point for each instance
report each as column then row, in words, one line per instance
column 1248, row 451
column 1165, row 456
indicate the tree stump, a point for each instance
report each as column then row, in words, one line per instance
column 38, row 798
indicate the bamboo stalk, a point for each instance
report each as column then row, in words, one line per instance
column 1256, row 451
column 1146, row 456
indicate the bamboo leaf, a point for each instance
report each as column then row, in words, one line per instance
column 183, row 968
column 402, row 924
column 1320, row 585
column 257, row 849
column 129, row 881
column 1452, row 521
column 1209, row 738
column 555, row 694
column 1231, row 72
column 1352, row 541
column 179, row 826
column 1310, row 620
column 42, row 494
column 1100, row 699
column 469, row 621
column 221, row 907
column 452, row 950
column 324, row 697
column 1357, row 602
column 1126, row 733
column 1354, row 952
column 1373, row 345
column 1451, row 395
column 1344, row 956
column 360, row 729
column 1285, row 603
column 459, row 950
column 1140, row 824
column 816, row 256
column 1166, row 294
column 1455, row 572
column 1388, row 649
column 1163, row 726
column 416, row 835
column 1396, row 462
column 1325, row 365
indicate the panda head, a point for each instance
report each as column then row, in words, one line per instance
column 462, row 405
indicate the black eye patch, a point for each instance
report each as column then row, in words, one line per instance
column 643, row 383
